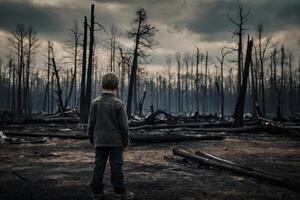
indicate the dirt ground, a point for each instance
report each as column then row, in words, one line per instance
column 44, row 168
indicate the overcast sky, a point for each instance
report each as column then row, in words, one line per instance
column 182, row 24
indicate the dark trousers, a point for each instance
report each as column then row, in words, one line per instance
column 115, row 155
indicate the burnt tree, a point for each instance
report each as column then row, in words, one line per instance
column 143, row 34
column 60, row 104
column 178, row 60
column 88, row 90
column 261, row 50
column 239, row 107
column 224, row 53
column 17, row 43
column 32, row 45
column 169, row 66
column 83, row 107
column 239, row 32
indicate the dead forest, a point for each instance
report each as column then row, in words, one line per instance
column 207, row 126
column 190, row 83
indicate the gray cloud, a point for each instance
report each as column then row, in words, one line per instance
column 206, row 17
column 209, row 17
column 13, row 12
column 212, row 20
column 206, row 20
column 51, row 21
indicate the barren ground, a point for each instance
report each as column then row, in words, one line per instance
column 61, row 169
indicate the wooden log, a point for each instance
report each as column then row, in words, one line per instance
column 195, row 127
column 61, row 120
column 180, row 125
column 169, row 138
column 207, row 155
column 156, row 113
column 50, row 135
column 133, row 138
column 281, row 130
column 230, row 130
column 276, row 180
column 261, row 119
column 198, row 127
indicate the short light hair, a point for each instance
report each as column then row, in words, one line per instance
column 110, row 81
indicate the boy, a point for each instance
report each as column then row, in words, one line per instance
column 108, row 133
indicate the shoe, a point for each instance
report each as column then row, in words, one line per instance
column 123, row 196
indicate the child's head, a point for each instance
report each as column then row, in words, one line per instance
column 110, row 81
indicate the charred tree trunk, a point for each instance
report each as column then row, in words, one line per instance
column 31, row 46
column 13, row 96
column 282, row 81
column 239, row 32
column 205, row 83
column 222, row 91
column 52, row 93
column 88, row 91
column 141, row 103
column 239, row 108
column 186, row 62
column 76, row 36
column 240, row 64
column 277, row 92
column 10, row 71
column 46, row 105
column 177, row 56
column 20, row 34
column 60, row 105
column 133, row 70
column 132, row 80
column 135, row 93
column 83, row 107
column 169, row 65
column 197, row 79
column 253, row 91
column 122, row 73
column 290, row 84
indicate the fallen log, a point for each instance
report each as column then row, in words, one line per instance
column 207, row 155
column 261, row 120
column 169, row 138
column 278, row 128
column 62, row 120
column 181, row 125
column 199, row 127
column 50, row 135
column 196, row 127
column 276, row 180
column 281, row 130
column 230, row 130
column 152, row 119
column 138, row 138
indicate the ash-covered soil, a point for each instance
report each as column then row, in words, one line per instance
column 43, row 168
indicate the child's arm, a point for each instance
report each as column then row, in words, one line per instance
column 91, row 123
column 123, row 123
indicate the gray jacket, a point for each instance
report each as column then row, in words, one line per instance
column 108, row 124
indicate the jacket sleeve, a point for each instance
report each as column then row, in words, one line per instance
column 123, row 124
column 91, row 120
